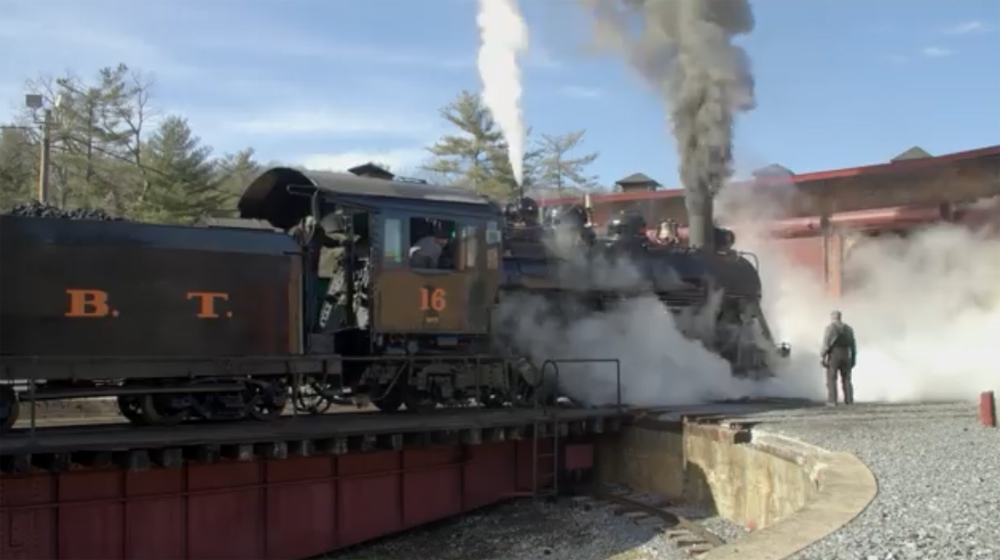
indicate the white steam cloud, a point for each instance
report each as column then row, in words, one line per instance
column 503, row 39
column 662, row 362
column 925, row 311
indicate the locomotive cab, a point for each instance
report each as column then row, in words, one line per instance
column 402, row 272
column 436, row 272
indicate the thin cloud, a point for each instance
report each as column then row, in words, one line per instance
column 84, row 43
column 343, row 54
column 399, row 159
column 345, row 121
column 581, row 92
column 936, row 52
column 895, row 58
column 975, row 26
column 284, row 45
column 539, row 56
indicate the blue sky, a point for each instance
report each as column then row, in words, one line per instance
column 330, row 83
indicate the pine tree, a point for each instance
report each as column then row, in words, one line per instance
column 183, row 180
column 558, row 170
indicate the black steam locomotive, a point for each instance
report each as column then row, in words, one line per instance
column 328, row 286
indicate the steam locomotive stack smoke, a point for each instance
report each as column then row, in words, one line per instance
column 503, row 38
column 684, row 49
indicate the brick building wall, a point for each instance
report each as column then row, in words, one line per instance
column 910, row 183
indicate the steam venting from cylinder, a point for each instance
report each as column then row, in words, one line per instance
column 684, row 50
column 503, row 39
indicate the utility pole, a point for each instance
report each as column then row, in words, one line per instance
column 35, row 101
column 43, row 160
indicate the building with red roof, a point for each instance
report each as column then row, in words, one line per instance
column 818, row 211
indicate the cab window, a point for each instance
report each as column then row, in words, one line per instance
column 433, row 244
column 493, row 234
column 392, row 242
column 471, row 246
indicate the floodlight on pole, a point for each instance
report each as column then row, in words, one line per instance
column 33, row 101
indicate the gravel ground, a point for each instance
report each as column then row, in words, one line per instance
column 707, row 518
column 938, row 473
column 702, row 515
column 533, row 530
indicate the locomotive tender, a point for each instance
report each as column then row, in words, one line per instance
column 311, row 292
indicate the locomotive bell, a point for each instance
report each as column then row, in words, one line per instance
column 627, row 225
column 529, row 210
column 725, row 239
column 572, row 215
column 523, row 210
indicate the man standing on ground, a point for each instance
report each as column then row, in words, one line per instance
column 839, row 356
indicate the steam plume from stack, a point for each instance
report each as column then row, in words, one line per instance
column 503, row 38
column 684, row 49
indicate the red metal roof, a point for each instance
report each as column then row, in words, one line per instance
column 891, row 167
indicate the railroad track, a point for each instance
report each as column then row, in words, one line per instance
column 123, row 436
column 695, row 540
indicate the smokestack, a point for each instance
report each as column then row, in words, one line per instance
column 684, row 50
column 701, row 223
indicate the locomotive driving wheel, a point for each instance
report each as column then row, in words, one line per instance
column 10, row 407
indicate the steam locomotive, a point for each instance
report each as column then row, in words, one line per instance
column 316, row 293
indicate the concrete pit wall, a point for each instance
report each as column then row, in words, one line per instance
column 789, row 493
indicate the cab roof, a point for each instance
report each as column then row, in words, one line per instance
column 268, row 197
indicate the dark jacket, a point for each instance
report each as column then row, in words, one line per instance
column 839, row 335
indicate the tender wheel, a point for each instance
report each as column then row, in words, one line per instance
column 157, row 410
column 265, row 401
column 313, row 398
column 130, row 406
column 10, row 407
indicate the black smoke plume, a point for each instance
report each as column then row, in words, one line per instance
column 684, row 49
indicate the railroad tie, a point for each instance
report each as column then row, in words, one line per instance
column 652, row 523
column 699, row 550
column 689, row 541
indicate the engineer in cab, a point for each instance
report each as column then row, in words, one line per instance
column 426, row 252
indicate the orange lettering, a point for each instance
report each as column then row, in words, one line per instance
column 206, row 303
column 436, row 300
column 89, row 303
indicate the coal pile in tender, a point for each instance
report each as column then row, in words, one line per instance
column 35, row 209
